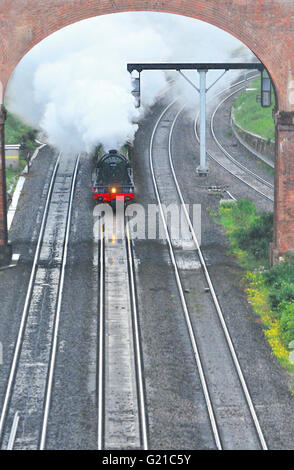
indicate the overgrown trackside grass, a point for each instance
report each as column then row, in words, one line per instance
column 249, row 233
column 251, row 116
column 16, row 132
column 269, row 290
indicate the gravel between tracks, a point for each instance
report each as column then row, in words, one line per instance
column 177, row 413
column 267, row 381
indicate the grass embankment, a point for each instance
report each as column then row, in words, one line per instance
column 269, row 290
column 251, row 116
column 16, row 132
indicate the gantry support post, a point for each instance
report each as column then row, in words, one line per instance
column 202, row 169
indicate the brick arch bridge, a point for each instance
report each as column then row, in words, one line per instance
column 265, row 26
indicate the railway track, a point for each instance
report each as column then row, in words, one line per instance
column 223, row 158
column 26, row 406
column 122, row 421
column 230, row 409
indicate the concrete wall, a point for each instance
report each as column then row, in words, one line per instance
column 262, row 148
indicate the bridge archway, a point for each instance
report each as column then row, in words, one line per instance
column 265, row 26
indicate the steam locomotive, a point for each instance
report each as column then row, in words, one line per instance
column 113, row 178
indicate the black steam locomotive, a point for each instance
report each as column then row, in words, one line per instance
column 113, row 178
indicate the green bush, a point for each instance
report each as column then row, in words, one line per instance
column 244, row 212
column 247, row 230
column 287, row 321
column 280, row 282
column 280, row 294
column 281, row 272
column 250, row 234
column 256, row 235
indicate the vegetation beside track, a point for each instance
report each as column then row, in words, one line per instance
column 250, row 115
column 269, row 290
column 16, row 132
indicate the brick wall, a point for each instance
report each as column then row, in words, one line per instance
column 284, row 189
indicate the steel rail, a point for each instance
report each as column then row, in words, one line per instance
column 101, row 343
column 49, row 385
column 21, row 330
column 214, row 296
column 13, row 431
column 138, row 349
column 181, row 291
column 240, row 165
column 231, row 195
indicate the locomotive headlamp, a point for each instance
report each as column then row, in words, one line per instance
column 113, row 190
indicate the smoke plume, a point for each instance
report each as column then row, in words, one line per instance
column 74, row 85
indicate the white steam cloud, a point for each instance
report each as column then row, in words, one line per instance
column 75, row 87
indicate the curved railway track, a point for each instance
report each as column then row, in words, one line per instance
column 163, row 184
column 227, row 161
column 26, row 406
